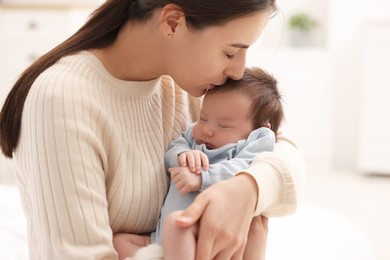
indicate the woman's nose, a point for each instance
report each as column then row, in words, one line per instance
column 236, row 68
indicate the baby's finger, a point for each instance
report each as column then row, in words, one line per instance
column 182, row 160
column 198, row 162
column 183, row 190
column 174, row 173
column 179, row 185
column 205, row 161
column 191, row 162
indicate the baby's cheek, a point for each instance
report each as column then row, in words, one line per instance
column 197, row 132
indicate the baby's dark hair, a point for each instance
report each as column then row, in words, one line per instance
column 262, row 88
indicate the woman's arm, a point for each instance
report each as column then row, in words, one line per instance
column 279, row 176
column 275, row 177
column 62, row 181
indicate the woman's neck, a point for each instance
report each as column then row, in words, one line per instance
column 135, row 54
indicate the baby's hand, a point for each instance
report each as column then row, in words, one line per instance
column 184, row 180
column 194, row 160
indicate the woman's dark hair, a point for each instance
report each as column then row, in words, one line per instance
column 262, row 88
column 101, row 30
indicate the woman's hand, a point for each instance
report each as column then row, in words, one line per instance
column 257, row 239
column 225, row 212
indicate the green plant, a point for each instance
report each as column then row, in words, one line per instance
column 302, row 21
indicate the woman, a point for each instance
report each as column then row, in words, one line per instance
column 89, row 122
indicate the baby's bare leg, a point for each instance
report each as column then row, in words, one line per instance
column 127, row 244
column 178, row 243
column 257, row 239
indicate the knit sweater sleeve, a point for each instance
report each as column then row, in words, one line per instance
column 279, row 176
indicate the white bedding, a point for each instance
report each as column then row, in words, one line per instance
column 312, row 233
column 13, row 239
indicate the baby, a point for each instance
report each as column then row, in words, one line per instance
column 236, row 122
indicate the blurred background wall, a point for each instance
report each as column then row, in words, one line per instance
column 336, row 85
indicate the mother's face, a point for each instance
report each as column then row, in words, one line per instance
column 204, row 59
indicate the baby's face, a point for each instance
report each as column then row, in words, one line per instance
column 224, row 118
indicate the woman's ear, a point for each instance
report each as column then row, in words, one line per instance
column 268, row 125
column 172, row 17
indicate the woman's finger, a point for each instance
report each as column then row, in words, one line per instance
column 228, row 254
column 238, row 255
column 205, row 245
column 228, row 246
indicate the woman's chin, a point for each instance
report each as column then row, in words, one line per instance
column 198, row 93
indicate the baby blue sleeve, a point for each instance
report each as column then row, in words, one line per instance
column 260, row 140
column 183, row 143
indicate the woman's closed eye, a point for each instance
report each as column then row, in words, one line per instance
column 229, row 56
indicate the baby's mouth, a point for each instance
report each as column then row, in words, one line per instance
column 209, row 146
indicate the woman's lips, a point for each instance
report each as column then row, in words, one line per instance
column 211, row 86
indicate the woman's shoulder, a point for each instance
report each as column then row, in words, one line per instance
column 69, row 72
column 67, row 85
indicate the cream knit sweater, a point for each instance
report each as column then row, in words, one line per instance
column 90, row 159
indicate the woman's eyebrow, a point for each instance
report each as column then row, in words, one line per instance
column 239, row 45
